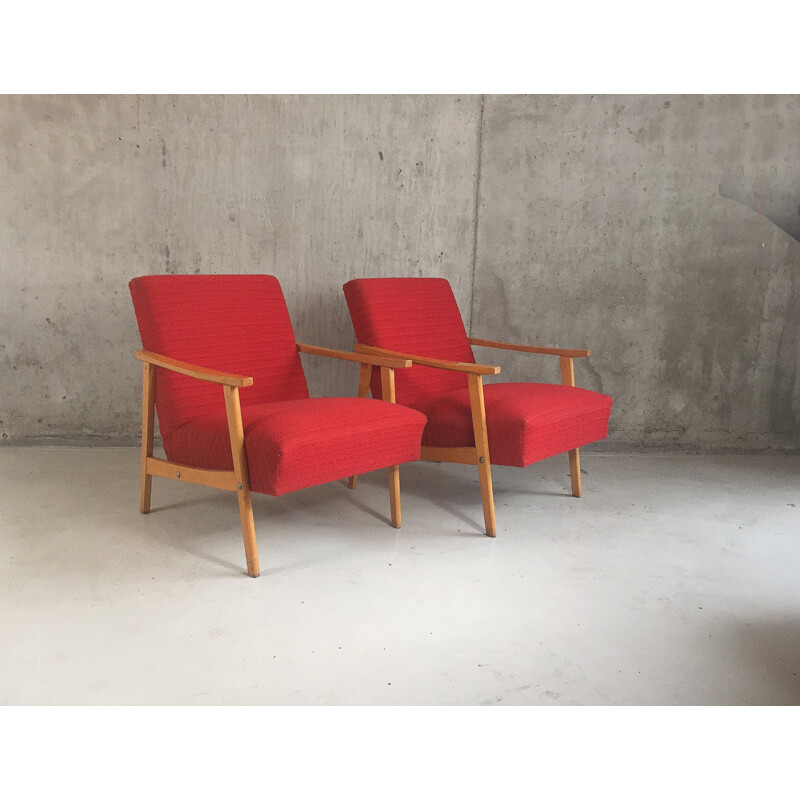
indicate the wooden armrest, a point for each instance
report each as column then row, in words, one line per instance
column 437, row 363
column 193, row 371
column 525, row 348
column 377, row 361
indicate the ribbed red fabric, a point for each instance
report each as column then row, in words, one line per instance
column 240, row 324
column 411, row 315
column 525, row 422
column 234, row 323
column 293, row 444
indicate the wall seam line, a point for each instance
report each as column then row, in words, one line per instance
column 476, row 213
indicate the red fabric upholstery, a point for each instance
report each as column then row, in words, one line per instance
column 298, row 443
column 411, row 315
column 234, row 323
column 240, row 324
column 525, row 422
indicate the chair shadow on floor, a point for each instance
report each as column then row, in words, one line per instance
column 421, row 483
column 417, row 485
column 454, row 490
column 184, row 534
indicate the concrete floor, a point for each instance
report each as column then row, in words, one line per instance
column 673, row 581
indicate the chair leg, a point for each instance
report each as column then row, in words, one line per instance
column 487, row 496
column 482, row 448
column 568, row 379
column 394, row 494
column 364, row 377
column 248, row 531
column 575, row 471
column 148, row 424
column 236, row 431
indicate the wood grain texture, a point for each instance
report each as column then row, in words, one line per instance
column 387, row 385
column 213, row 478
column 148, row 427
column 394, row 494
column 568, row 379
column 236, row 431
column 193, row 370
column 327, row 352
column 524, row 348
column 438, row 363
column 450, row 455
column 482, row 448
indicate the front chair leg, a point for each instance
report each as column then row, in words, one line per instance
column 568, row 379
column 482, row 451
column 394, row 494
column 236, row 431
column 364, row 378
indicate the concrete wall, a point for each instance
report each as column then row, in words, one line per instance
column 602, row 224
column 315, row 190
column 656, row 230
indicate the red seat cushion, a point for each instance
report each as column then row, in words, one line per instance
column 526, row 422
column 234, row 323
column 419, row 316
column 294, row 444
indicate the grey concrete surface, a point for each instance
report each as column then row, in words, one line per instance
column 315, row 190
column 602, row 224
column 659, row 231
column 672, row 581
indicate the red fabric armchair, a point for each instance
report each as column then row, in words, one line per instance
column 206, row 333
column 514, row 424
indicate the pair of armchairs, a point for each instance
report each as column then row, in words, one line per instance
column 231, row 332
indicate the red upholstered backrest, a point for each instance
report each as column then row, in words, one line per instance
column 234, row 323
column 419, row 316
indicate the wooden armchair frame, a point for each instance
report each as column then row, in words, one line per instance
column 479, row 453
column 236, row 480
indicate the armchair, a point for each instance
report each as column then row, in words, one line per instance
column 514, row 424
column 275, row 438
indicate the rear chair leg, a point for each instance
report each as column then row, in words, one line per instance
column 394, row 494
column 364, row 377
column 575, row 471
column 148, row 424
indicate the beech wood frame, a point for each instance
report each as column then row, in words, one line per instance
column 238, row 479
column 479, row 453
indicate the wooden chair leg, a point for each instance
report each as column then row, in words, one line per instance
column 394, row 494
column 236, row 431
column 148, row 425
column 568, row 379
column 482, row 448
column 364, row 378
column 575, row 471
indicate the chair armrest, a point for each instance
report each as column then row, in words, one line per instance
column 524, row 348
column 436, row 363
column 193, row 371
column 377, row 361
